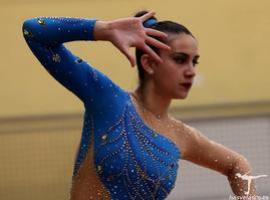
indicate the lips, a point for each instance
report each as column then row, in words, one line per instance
column 187, row 86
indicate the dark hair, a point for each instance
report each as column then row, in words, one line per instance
column 169, row 27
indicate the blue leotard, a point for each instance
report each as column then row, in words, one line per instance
column 131, row 159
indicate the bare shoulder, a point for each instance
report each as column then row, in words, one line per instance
column 186, row 136
column 185, row 130
column 190, row 139
column 201, row 150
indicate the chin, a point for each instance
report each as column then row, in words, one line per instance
column 181, row 96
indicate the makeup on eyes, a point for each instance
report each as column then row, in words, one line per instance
column 181, row 57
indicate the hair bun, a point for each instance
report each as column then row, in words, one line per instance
column 151, row 21
column 143, row 12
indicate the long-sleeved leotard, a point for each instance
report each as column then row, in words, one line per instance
column 131, row 160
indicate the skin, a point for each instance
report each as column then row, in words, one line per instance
column 165, row 73
column 178, row 65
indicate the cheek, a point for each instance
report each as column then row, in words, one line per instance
column 168, row 77
column 164, row 73
column 173, row 73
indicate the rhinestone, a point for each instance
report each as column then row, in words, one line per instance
column 27, row 33
column 99, row 168
column 104, row 137
column 41, row 21
column 143, row 175
column 56, row 58
column 79, row 60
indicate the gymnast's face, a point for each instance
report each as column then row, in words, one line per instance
column 175, row 75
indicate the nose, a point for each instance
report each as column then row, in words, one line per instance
column 190, row 70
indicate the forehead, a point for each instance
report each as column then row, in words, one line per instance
column 183, row 43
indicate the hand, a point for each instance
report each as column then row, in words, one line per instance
column 130, row 32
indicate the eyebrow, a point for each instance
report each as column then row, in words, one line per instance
column 184, row 54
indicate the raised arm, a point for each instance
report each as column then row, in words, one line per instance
column 207, row 153
column 45, row 37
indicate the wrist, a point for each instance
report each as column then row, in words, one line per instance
column 102, row 30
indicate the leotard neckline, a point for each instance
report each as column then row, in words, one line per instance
column 138, row 116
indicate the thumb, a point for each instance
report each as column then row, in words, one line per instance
column 129, row 56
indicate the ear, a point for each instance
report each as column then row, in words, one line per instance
column 147, row 64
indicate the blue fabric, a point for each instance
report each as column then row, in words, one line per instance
column 132, row 160
column 149, row 23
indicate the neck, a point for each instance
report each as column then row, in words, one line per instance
column 151, row 100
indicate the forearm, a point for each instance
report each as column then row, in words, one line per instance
column 57, row 30
column 238, row 184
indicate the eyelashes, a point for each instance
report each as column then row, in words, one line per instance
column 195, row 62
column 182, row 60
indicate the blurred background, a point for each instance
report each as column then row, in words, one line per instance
column 40, row 121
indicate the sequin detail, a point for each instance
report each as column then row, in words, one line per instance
column 131, row 160
column 41, row 22
column 27, row 33
column 140, row 163
column 78, row 61
column 67, row 20
column 56, row 58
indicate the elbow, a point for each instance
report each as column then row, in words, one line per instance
column 29, row 23
column 33, row 30
column 28, row 27
column 26, row 23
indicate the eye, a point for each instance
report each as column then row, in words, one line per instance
column 195, row 62
column 180, row 59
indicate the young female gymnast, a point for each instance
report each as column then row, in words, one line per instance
column 130, row 146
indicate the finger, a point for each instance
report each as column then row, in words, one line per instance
column 156, row 33
column 132, row 60
column 128, row 55
column 156, row 43
column 147, row 16
column 152, row 53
